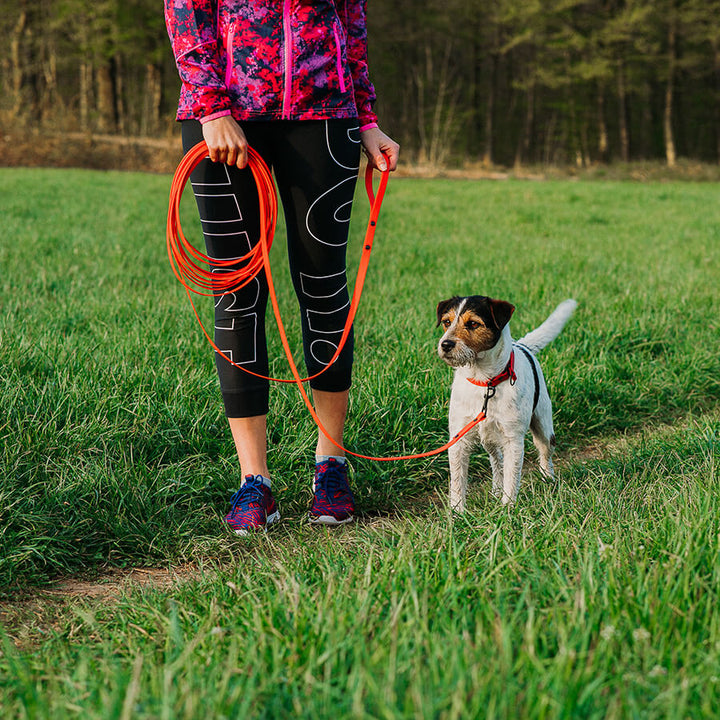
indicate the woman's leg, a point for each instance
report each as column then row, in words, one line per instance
column 250, row 438
column 228, row 207
column 316, row 169
column 331, row 408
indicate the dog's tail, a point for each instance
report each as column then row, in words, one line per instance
column 542, row 336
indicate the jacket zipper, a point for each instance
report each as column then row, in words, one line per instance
column 229, row 49
column 338, row 58
column 287, row 91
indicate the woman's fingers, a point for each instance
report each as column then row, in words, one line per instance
column 226, row 141
column 378, row 146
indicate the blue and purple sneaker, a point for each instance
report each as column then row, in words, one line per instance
column 333, row 503
column 252, row 507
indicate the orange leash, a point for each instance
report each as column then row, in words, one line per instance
column 194, row 271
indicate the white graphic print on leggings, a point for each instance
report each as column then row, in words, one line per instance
column 234, row 309
column 336, row 203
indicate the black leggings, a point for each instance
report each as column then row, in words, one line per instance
column 315, row 164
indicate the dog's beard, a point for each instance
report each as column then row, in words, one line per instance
column 460, row 355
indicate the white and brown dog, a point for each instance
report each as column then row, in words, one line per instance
column 501, row 379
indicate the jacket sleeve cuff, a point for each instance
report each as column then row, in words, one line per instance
column 368, row 126
column 215, row 116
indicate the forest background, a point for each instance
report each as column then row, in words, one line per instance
column 504, row 83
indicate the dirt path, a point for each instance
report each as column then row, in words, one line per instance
column 48, row 610
column 115, row 582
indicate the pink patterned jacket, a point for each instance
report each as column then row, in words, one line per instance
column 271, row 59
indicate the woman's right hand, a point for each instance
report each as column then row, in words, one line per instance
column 378, row 146
column 226, row 141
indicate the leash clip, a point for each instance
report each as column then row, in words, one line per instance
column 489, row 394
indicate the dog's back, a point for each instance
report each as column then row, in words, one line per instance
column 542, row 336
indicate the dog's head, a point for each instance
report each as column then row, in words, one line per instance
column 472, row 325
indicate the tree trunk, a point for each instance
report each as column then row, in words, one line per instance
column 18, row 71
column 86, row 71
column 549, row 150
column 420, row 80
column 51, row 104
column 622, row 114
column 444, row 112
column 487, row 159
column 584, row 140
column 105, row 98
column 603, row 144
column 669, row 93
column 523, row 145
column 716, row 63
column 575, row 134
column 472, row 99
column 118, row 94
column 153, row 98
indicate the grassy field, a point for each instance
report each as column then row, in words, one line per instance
column 596, row 597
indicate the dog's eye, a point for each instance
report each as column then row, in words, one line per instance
column 446, row 322
column 472, row 325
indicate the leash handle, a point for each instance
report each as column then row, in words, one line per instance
column 385, row 174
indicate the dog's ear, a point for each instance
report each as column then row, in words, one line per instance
column 442, row 307
column 501, row 312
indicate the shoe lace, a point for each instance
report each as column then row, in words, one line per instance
column 251, row 491
column 333, row 481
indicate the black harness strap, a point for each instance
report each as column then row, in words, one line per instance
column 531, row 360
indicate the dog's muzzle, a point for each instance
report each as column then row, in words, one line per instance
column 454, row 354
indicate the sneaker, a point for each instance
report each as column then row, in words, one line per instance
column 333, row 503
column 252, row 507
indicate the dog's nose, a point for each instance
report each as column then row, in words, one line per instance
column 447, row 345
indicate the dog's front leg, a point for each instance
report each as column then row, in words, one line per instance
column 459, row 457
column 496, row 464
column 513, row 455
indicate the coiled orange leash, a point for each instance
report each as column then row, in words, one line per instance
column 194, row 271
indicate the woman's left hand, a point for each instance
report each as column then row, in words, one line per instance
column 375, row 143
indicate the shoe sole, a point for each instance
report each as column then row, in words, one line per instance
column 328, row 520
column 242, row 532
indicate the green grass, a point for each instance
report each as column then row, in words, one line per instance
column 594, row 597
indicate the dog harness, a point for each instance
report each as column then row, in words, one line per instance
column 536, row 379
